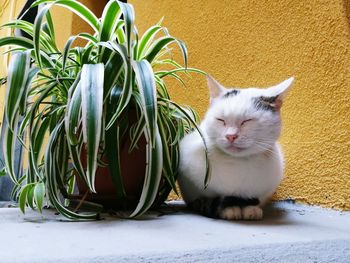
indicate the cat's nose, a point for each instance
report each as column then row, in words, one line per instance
column 231, row 137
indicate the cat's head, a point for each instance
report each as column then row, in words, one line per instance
column 243, row 122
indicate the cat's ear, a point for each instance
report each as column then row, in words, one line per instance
column 215, row 88
column 276, row 94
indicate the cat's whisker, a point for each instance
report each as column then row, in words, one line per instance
column 274, row 155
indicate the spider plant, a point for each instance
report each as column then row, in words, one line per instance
column 77, row 98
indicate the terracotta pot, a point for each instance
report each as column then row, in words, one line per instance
column 133, row 167
column 133, row 174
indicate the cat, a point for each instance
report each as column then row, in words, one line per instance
column 240, row 128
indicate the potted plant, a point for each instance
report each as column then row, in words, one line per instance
column 99, row 106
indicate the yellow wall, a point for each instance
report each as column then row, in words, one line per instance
column 259, row 43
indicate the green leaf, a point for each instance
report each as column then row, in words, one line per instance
column 167, row 158
column 30, row 197
column 36, row 142
column 88, row 37
column 50, row 26
column 18, row 72
column 109, row 20
column 146, row 39
column 23, row 197
column 39, row 194
column 72, row 122
column 147, row 87
column 186, row 116
column 15, row 191
column 66, row 50
column 154, row 164
column 163, row 42
column 129, row 18
column 29, row 29
column 164, row 73
column 37, row 33
column 75, row 154
column 51, row 173
column 137, row 133
column 92, row 104
column 73, row 112
column 113, row 70
column 127, row 87
column 120, row 33
column 31, row 75
column 113, row 144
column 3, row 171
column 79, row 9
column 16, row 41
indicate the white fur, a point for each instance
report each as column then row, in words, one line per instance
column 251, row 166
column 231, row 213
column 252, row 213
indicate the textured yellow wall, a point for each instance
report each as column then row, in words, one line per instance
column 259, row 43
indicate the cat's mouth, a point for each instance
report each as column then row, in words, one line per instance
column 234, row 148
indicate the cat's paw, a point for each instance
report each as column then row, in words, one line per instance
column 252, row 213
column 231, row 213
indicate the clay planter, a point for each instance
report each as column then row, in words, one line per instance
column 133, row 171
column 133, row 167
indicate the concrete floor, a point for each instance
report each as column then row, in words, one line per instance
column 288, row 233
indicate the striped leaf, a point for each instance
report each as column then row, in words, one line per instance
column 50, row 27
column 147, row 87
column 167, row 158
column 73, row 112
column 22, row 201
column 113, row 143
column 79, row 9
column 113, row 69
column 29, row 29
column 109, row 20
column 92, row 104
column 17, row 85
column 18, row 73
column 37, row 33
column 17, row 41
column 36, row 141
column 146, row 39
column 39, row 194
column 163, row 42
column 154, row 165
column 129, row 19
column 9, row 145
column 183, row 114
column 127, row 86
column 51, row 173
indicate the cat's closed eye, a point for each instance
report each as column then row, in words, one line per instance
column 245, row 121
column 221, row 120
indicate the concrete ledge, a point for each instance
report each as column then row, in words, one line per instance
column 288, row 233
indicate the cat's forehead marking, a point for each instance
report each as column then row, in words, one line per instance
column 264, row 103
column 231, row 93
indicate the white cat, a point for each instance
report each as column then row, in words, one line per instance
column 241, row 128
